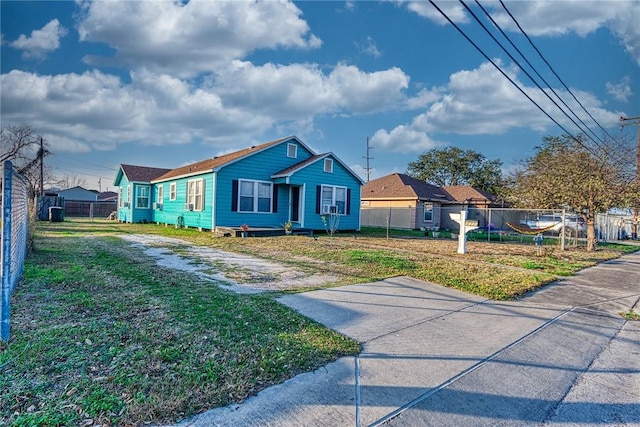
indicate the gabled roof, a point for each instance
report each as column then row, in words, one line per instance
column 401, row 186
column 217, row 162
column 313, row 159
column 461, row 193
column 142, row 173
column 108, row 195
column 77, row 188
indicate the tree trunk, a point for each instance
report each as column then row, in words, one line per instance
column 592, row 241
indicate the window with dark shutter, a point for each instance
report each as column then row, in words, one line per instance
column 275, row 198
column 234, row 195
column 318, row 198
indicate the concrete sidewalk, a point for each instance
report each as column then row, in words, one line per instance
column 436, row 356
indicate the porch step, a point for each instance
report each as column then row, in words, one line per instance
column 260, row 231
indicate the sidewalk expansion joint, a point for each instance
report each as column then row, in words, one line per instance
column 467, row 371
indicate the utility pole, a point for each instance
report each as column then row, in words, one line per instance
column 636, row 209
column 368, row 168
column 41, row 155
column 100, row 185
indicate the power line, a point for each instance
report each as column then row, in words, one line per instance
column 509, row 78
column 536, row 72
column 525, row 71
column 81, row 173
column 84, row 161
column 552, row 70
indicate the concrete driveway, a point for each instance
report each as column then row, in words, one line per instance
column 436, row 356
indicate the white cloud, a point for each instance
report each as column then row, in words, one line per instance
column 300, row 90
column 553, row 18
column 402, row 139
column 483, row 101
column 452, row 9
column 102, row 111
column 42, row 41
column 370, row 48
column 626, row 27
column 621, row 90
column 187, row 39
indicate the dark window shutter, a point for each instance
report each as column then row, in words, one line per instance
column 318, row 196
column 275, row 198
column 348, row 201
column 234, row 195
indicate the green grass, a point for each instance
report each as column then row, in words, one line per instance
column 100, row 332
column 631, row 315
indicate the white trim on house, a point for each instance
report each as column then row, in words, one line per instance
column 214, row 184
column 255, row 195
column 195, row 194
column 327, row 165
column 292, row 150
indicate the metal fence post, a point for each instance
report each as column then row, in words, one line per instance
column 5, row 253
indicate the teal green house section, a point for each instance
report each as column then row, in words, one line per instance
column 262, row 186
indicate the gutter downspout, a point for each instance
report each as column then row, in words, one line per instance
column 213, row 202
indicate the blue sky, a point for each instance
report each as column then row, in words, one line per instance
column 164, row 84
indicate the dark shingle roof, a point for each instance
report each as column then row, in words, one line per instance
column 461, row 193
column 142, row 173
column 215, row 162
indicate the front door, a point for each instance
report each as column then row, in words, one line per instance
column 295, row 204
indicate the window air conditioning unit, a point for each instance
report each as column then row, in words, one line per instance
column 188, row 206
column 329, row 209
column 157, row 206
column 126, row 204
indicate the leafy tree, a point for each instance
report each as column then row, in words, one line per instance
column 21, row 145
column 454, row 166
column 569, row 173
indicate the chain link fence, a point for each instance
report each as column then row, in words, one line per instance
column 14, row 232
column 499, row 224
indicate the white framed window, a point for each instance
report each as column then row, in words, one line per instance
column 120, row 199
column 328, row 165
column 160, row 194
column 333, row 199
column 292, row 150
column 142, row 197
column 172, row 191
column 128, row 199
column 428, row 212
column 255, row 196
column 195, row 194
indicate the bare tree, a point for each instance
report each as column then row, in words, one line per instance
column 567, row 172
column 70, row 181
column 21, row 145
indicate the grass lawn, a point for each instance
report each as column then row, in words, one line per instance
column 103, row 335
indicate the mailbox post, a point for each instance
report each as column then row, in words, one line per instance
column 465, row 226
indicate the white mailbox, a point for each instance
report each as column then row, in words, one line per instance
column 465, row 226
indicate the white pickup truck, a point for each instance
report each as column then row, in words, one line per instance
column 572, row 223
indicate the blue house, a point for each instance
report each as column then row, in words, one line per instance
column 263, row 186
